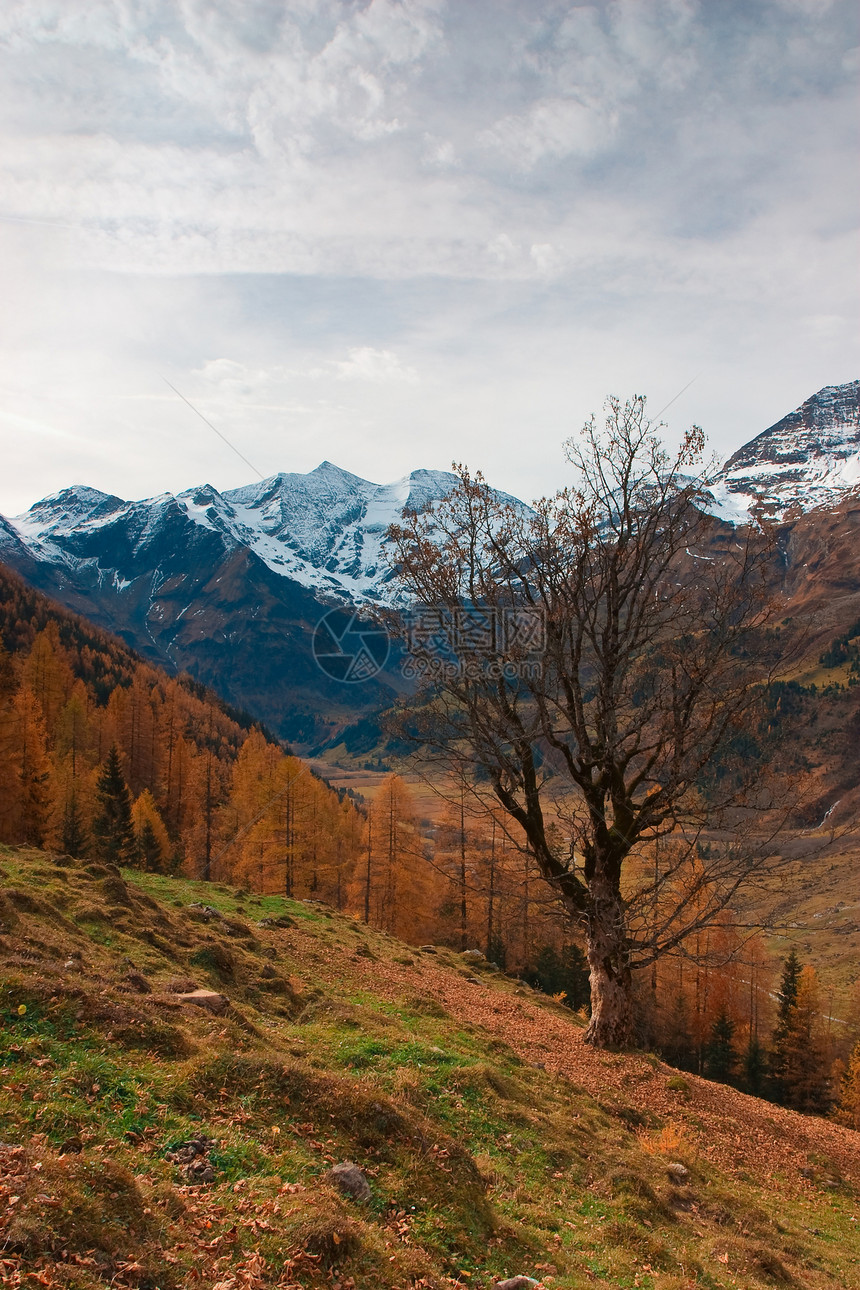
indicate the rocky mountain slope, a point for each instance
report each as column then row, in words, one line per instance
column 183, row 1065
column 231, row 586
column 323, row 531
column 807, row 461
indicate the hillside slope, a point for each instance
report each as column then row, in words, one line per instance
column 148, row 1142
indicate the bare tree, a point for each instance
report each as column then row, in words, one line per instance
column 593, row 664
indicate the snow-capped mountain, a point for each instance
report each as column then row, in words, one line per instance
column 324, row 530
column 231, row 586
column 808, row 460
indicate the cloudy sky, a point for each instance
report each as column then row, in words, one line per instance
column 396, row 234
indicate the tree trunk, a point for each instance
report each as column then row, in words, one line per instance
column 611, row 1024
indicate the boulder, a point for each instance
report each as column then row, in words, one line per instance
column 516, row 1283
column 678, row 1173
column 211, row 1000
column 350, row 1180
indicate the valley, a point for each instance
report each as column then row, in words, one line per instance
column 377, row 942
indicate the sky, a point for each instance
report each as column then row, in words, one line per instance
column 397, row 235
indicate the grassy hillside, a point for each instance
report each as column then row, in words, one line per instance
column 494, row 1143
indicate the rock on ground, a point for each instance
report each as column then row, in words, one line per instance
column 209, row 999
column 349, row 1179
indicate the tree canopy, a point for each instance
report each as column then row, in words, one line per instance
column 597, row 664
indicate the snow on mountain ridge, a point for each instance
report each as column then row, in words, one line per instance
column 807, row 460
column 325, row 529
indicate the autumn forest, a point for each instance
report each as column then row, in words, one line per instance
column 103, row 755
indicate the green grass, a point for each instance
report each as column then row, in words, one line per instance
column 478, row 1163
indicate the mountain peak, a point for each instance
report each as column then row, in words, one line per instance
column 330, row 469
column 808, row 459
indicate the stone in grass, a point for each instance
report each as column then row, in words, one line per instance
column 211, row 1000
column 677, row 1172
column 516, row 1283
column 193, row 1156
column 199, row 1172
column 184, row 1153
column 350, row 1180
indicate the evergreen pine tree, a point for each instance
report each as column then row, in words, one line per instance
column 720, row 1055
column 806, row 1063
column 787, row 996
column 73, row 835
column 562, row 972
column 114, row 835
column 755, row 1068
column 497, row 951
column 149, row 849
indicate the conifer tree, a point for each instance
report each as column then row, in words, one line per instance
column 720, row 1055
column 848, row 1107
column 787, row 1001
column 806, row 1074
column 73, row 835
column 112, row 827
column 800, row 1058
column 561, row 972
column 151, row 841
column 149, row 848
column 24, row 770
column 755, row 1068
column 7, row 673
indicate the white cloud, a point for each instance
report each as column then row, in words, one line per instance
column 377, row 365
column 340, row 226
column 554, row 127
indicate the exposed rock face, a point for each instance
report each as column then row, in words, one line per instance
column 809, row 459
